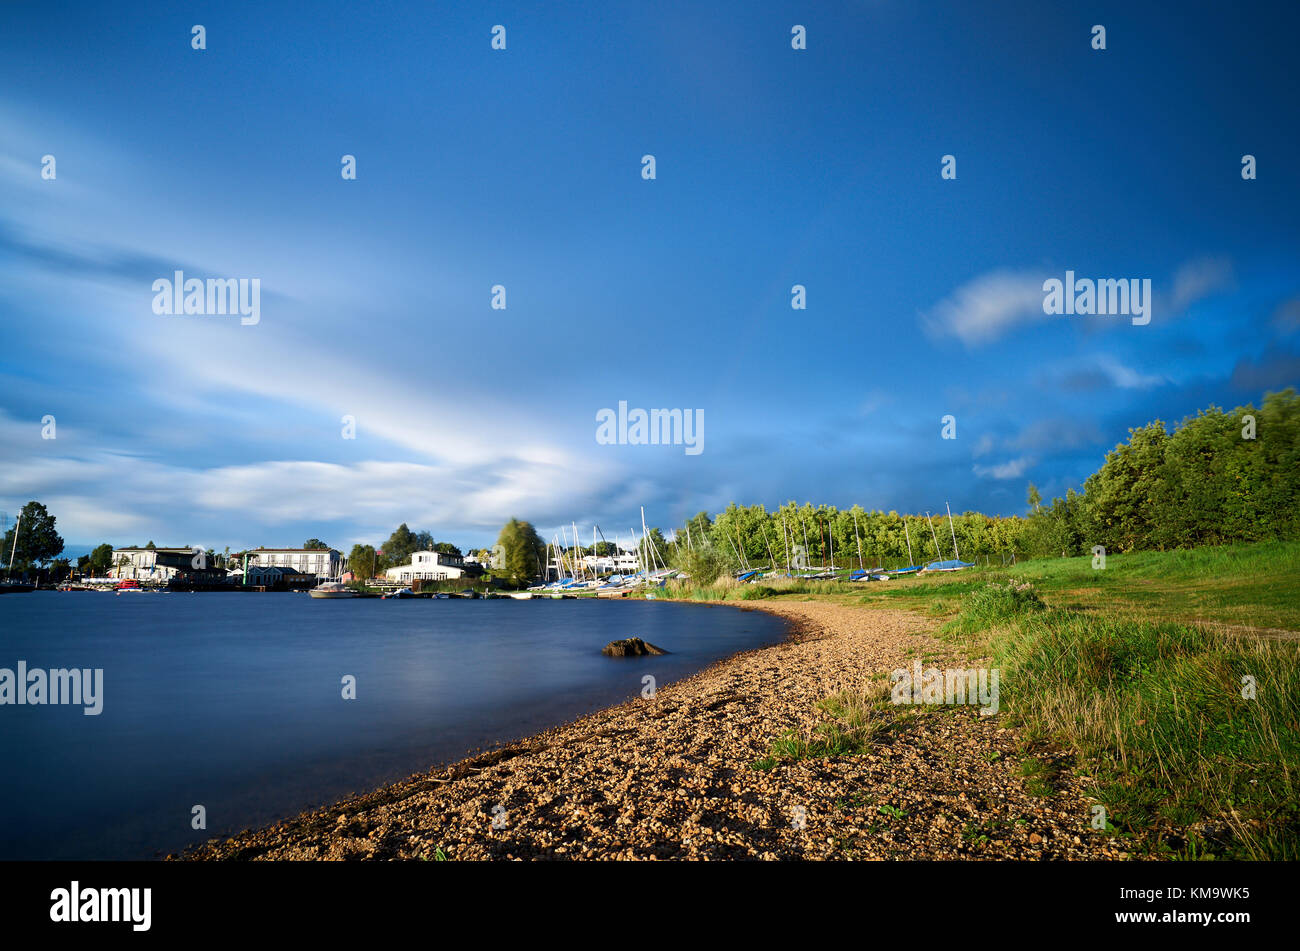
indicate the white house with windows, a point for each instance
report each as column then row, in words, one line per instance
column 323, row 563
column 622, row 561
column 150, row 564
column 428, row 566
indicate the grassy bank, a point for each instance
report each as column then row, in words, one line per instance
column 1169, row 678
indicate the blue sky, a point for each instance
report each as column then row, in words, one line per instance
column 522, row 168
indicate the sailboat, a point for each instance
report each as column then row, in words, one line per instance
column 955, row 563
column 912, row 567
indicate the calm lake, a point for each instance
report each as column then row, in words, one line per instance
column 234, row 701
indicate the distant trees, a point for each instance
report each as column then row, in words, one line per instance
column 315, row 544
column 1216, row 478
column 523, row 552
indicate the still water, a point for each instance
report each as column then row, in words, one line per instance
column 234, row 701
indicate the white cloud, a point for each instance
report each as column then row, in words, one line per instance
column 987, row 307
column 1125, row 377
column 1012, row 469
column 1198, row 279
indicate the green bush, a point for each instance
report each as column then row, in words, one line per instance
column 997, row 602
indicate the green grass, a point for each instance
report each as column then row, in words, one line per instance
column 1135, row 671
column 1252, row 586
column 852, row 722
column 1153, row 712
column 1239, row 586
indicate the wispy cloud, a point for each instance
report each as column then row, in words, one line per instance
column 984, row 309
column 1011, row 469
column 1199, row 279
column 1103, row 372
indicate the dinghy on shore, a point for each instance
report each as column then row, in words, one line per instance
column 951, row 564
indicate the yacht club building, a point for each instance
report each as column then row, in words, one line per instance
column 428, row 566
column 323, row 563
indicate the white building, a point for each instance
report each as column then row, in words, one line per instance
column 620, row 562
column 150, row 564
column 323, row 563
column 428, row 566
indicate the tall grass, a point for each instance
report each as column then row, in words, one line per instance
column 1156, row 716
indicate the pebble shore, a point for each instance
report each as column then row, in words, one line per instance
column 673, row 777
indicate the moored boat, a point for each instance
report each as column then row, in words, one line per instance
column 332, row 589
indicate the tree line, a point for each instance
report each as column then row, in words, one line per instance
column 1214, row 478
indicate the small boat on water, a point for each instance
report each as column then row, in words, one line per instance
column 399, row 593
column 15, row 587
column 332, row 589
column 127, row 584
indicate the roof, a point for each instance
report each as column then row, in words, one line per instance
column 295, row 551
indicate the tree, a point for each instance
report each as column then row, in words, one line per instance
column 362, row 561
column 315, row 544
column 38, row 542
column 60, row 568
column 101, row 559
column 522, row 552
column 657, row 550
column 701, row 564
column 400, row 546
column 447, row 548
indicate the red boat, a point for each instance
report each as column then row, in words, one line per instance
column 128, row 584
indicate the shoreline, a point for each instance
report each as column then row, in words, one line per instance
column 673, row 777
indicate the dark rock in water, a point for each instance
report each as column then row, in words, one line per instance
column 630, row 647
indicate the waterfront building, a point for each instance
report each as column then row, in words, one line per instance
column 428, row 566
column 150, row 564
column 322, row 563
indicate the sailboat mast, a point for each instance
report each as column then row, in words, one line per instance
column 786, row 539
column 908, row 536
column 14, row 547
column 937, row 553
column 954, row 532
column 858, row 538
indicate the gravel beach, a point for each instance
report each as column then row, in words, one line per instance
column 673, row 777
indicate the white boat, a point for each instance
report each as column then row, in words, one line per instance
column 400, row 593
column 332, row 589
